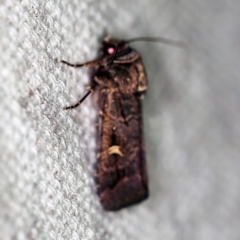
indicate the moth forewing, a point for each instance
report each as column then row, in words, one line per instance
column 121, row 165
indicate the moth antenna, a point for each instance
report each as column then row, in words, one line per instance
column 112, row 59
column 157, row 39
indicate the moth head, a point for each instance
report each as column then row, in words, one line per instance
column 110, row 44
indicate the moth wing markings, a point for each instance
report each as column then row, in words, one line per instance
column 121, row 175
column 106, row 168
column 129, row 155
column 129, row 137
column 128, row 184
column 141, row 79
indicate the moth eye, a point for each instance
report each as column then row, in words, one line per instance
column 110, row 50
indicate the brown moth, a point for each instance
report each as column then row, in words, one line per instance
column 119, row 82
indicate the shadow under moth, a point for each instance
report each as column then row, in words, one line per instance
column 119, row 82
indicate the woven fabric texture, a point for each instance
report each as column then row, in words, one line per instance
column 191, row 120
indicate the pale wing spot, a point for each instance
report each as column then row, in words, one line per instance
column 142, row 88
column 115, row 150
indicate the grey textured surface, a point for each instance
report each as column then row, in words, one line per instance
column 191, row 116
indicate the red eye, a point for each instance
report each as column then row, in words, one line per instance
column 110, row 50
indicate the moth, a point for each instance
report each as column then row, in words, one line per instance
column 119, row 82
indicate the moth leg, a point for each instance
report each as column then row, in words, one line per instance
column 79, row 102
column 77, row 65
